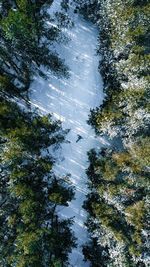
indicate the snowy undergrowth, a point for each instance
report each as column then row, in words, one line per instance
column 70, row 101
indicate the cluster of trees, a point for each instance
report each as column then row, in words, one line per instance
column 32, row 233
column 26, row 39
column 118, row 203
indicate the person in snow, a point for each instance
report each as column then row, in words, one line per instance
column 79, row 138
column 79, row 57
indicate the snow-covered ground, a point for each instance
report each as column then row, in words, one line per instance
column 70, row 101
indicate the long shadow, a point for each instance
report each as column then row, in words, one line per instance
column 70, row 101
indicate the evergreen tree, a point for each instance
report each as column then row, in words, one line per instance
column 32, row 234
column 31, row 230
column 25, row 43
column 118, row 204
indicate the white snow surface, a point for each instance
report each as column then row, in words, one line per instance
column 70, row 101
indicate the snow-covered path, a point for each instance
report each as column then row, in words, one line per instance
column 70, row 101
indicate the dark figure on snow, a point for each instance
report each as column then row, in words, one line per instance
column 79, row 138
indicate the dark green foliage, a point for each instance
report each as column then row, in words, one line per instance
column 31, row 232
column 25, row 43
column 118, row 204
column 97, row 255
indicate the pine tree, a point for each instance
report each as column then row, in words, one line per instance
column 32, row 234
column 118, row 176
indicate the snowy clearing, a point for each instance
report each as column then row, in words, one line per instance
column 70, row 101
